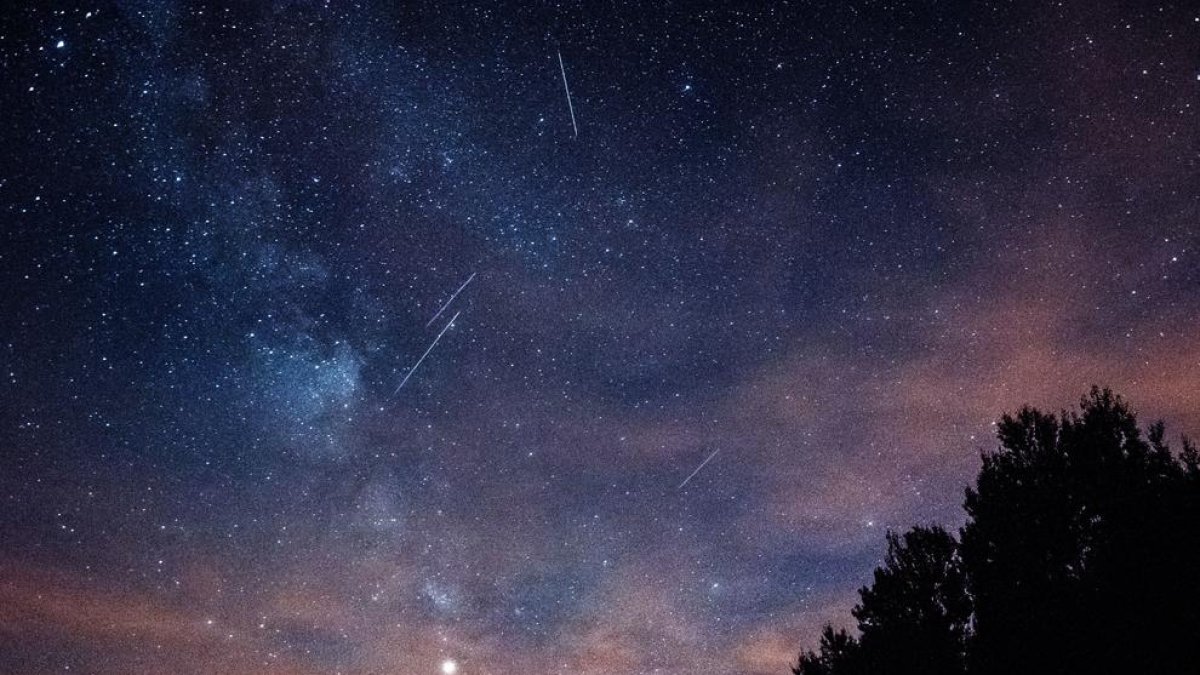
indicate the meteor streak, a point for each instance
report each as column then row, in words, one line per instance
column 431, row 346
column 567, row 88
column 693, row 474
column 452, row 297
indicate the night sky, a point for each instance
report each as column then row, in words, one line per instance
column 813, row 250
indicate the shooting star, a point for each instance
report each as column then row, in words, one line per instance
column 570, row 106
column 452, row 297
column 431, row 346
column 693, row 474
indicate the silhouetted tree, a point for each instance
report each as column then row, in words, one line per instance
column 913, row 619
column 1081, row 554
column 838, row 654
column 1082, row 547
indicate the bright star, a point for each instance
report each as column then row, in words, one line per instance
column 449, row 667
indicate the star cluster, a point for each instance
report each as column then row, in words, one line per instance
column 765, row 304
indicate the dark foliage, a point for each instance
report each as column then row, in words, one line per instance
column 912, row 619
column 1081, row 554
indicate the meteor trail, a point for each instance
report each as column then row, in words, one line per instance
column 692, row 475
column 570, row 106
column 452, row 297
column 431, row 346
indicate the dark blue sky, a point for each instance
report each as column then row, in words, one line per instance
column 829, row 242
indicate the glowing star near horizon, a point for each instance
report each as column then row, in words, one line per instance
column 449, row 667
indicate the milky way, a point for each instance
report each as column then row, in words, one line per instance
column 818, row 248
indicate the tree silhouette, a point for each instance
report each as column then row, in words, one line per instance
column 1081, row 554
column 912, row 619
column 838, row 654
column 1081, row 546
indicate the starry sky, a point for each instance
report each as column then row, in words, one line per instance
column 812, row 249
